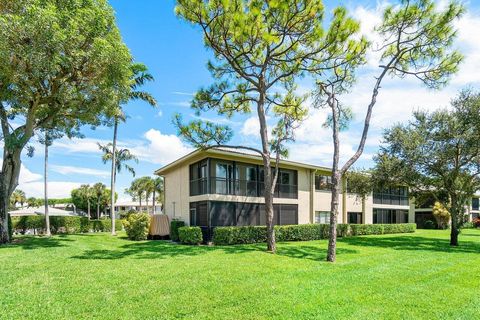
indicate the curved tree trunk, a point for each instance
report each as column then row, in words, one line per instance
column 8, row 182
column 336, row 179
column 113, row 177
column 45, row 181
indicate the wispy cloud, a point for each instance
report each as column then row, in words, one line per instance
column 180, row 93
column 68, row 170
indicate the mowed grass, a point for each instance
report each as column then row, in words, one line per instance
column 407, row 276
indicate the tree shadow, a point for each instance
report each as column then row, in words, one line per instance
column 310, row 252
column 158, row 250
column 36, row 242
column 168, row 249
column 413, row 243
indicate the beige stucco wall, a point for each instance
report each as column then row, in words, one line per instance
column 177, row 193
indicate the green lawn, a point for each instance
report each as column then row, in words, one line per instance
column 408, row 276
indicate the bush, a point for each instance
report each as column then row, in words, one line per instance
column 239, row 235
column 66, row 224
column 302, row 232
column 476, row 222
column 190, row 235
column 468, row 225
column 174, row 226
column 137, row 225
column 399, row 228
column 69, row 225
column 105, row 225
column 429, row 224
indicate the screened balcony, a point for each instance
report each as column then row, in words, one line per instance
column 214, row 176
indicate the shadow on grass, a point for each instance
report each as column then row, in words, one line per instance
column 414, row 243
column 315, row 253
column 158, row 250
column 36, row 242
column 167, row 249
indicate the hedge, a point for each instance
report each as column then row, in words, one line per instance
column 303, row 232
column 190, row 235
column 105, row 225
column 67, row 224
column 174, row 226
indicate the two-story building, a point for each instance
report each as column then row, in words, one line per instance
column 217, row 187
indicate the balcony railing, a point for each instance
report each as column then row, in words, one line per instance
column 382, row 198
column 249, row 188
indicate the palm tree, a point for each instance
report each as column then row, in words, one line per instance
column 140, row 76
column 99, row 191
column 87, row 194
column 18, row 196
column 157, row 188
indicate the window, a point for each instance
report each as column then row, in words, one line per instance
column 475, row 203
column 391, row 195
column 224, row 176
column 390, row 216
column 287, row 184
column 354, row 217
column 323, row 182
column 199, row 214
column 322, row 217
column 198, row 178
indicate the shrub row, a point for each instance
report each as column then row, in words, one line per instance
column 65, row 224
column 303, row 232
column 174, row 226
column 190, row 235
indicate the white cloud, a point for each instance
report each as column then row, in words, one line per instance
column 251, row 127
column 56, row 189
column 181, row 93
column 76, row 145
column 159, row 113
column 161, row 148
column 68, row 170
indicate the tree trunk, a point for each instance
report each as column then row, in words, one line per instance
column 45, row 181
column 269, row 187
column 88, row 209
column 336, row 185
column 113, row 177
column 98, row 208
column 455, row 211
column 8, row 182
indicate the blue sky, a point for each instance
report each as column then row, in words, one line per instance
column 174, row 52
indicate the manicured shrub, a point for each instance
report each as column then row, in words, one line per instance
column 476, row 222
column 69, row 225
column 190, row 235
column 174, row 226
column 468, row 225
column 137, row 225
column 399, row 228
column 239, row 235
column 429, row 224
column 105, row 225
column 302, row 232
